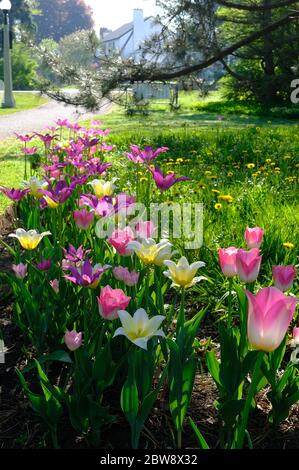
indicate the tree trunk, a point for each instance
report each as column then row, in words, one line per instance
column 268, row 59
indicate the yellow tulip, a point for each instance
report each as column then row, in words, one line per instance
column 182, row 274
column 102, row 188
column 139, row 329
column 28, row 240
column 150, row 252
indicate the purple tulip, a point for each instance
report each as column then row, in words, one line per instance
column 56, row 196
column 146, row 155
column 14, row 194
column 46, row 139
column 44, row 264
column 165, row 182
column 97, row 168
column 20, row 270
column 87, row 275
column 73, row 340
column 29, row 150
column 73, row 257
column 62, row 122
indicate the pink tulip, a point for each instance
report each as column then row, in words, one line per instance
column 120, row 239
column 248, row 264
column 20, row 270
column 270, row 313
column 124, row 275
column 55, row 285
column 111, row 301
column 29, row 150
column 227, row 258
column 145, row 229
column 83, row 218
column 254, row 237
column 73, row 340
column 295, row 339
column 283, row 277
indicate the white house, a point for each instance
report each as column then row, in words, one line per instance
column 127, row 39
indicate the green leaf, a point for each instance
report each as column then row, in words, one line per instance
column 129, row 397
column 60, row 356
column 202, row 443
column 214, row 367
column 10, row 250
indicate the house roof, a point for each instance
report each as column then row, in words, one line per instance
column 119, row 32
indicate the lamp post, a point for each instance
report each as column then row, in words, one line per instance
column 8, row 98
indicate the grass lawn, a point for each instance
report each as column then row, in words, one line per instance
column 194, row 112
column 188, row 131
column 24, row 101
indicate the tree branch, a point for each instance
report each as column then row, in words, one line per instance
column 169, row 75
column 271, row 6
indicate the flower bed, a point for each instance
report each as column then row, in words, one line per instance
column 111, row 312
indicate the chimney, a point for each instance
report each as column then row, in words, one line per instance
column 138, row 29
column 103, row 32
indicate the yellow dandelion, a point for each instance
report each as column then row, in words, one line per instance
column 143, row 179
column 207, row 173
column 288, row 245
column 218, row 206
column 268, row 160
column 226, row 198
column 230, row 174
column 250, row 166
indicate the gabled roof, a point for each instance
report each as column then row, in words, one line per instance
column 119, row 32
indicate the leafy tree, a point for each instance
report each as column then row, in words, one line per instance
column 59, row 18
column 23, row 67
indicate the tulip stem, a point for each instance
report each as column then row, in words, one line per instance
column 230, row 303
column 251, row 393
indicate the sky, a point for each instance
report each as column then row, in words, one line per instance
column 114, row 13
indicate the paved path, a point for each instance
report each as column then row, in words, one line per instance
column 25, row 122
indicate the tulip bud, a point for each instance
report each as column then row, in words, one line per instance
column 254, row 237
column 270, row 313
column 283, row 277
column 73, row 340
column 227, row 258
column 20, row 270
column 248, row 264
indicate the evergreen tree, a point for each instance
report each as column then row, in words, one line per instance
column 261, row 70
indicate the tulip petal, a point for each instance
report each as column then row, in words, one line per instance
column 126, row 320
